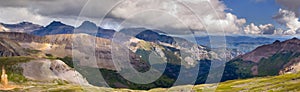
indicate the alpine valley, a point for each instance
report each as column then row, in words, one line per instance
column 59, row 57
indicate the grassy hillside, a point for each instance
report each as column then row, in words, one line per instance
column 240, row 69
column 13, row 71
column 282, row 83
column 272, row 65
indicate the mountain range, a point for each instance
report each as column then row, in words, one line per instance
column 243, row 44
column 41, row 44
column 68, row 47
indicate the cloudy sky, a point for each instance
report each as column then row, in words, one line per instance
column 246, row 17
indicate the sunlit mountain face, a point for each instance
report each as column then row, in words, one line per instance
column 149, row 45
column 247, row 44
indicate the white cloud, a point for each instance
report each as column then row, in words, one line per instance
column 289, row 19
column 279, row 31
column 252, row 29
column 267, row 29
column 180, row 15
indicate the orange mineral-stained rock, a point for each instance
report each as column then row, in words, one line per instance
column 4, row 81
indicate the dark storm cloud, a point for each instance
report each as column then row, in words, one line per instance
column 292, row 5
column 60, row 8
column 22, row 3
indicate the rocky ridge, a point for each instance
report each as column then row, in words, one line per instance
column 23, row 27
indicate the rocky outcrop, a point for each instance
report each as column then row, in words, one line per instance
column 291, row 67
column 186, row 51
column 10, row 48
column 47, row 70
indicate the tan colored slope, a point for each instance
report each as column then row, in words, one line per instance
column 23, row 37
column 10, row 48
column 3, row 29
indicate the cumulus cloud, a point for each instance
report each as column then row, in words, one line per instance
column 165, row 14
column 252, row 29
column 279, row 31
column 182, row 14
column 289, row 19
column 266, row 29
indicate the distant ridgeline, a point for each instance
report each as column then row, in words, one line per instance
column 245, row 45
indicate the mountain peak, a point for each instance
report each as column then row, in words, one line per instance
column 25, row 23
column 56, row 23
column 295, row 38
column 87, row 25
column 55, row 27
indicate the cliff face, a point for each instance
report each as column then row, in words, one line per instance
column 10, row 48
column 60, row 45
column 23, row 37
